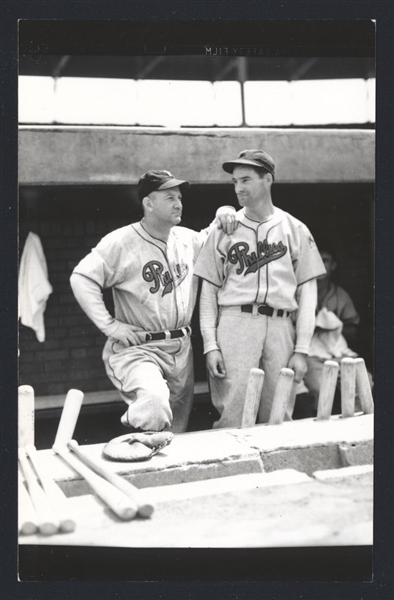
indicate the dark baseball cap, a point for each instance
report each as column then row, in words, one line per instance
column 151, row 181
column 251, row 158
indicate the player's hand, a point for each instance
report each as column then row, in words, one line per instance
column 215, row 364
column 125, row 334
column 226, row 219
column 299, row 366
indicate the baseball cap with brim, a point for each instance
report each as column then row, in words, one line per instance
column 152, row 181
column 251, row 158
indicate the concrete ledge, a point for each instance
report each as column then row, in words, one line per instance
column 306, row 446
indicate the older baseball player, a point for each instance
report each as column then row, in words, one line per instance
column 149, row 266
column 259, row 292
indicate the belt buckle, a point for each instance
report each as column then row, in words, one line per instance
column 263, row 307
column 148, row 337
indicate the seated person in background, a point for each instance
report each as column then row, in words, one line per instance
column 336, row 326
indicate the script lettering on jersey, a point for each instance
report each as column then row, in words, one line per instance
column 154, row 272
column 239, row 254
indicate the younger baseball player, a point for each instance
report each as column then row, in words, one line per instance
column 259, row 292
column 149, row 266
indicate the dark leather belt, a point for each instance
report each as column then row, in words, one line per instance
column 264, row 309
column 170, row 334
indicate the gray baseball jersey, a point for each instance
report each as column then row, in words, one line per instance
column 152, row 281
column 261, row 262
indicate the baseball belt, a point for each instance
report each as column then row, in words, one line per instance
column 264, row 309
column 168, row 335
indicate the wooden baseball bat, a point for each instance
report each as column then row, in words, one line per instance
column 144, row 508
column 25, row 415
column 327, row 390
column 27, row 516
column 122, row 506
column 348, row 387
column 252, row 397
column 282, row 396
column 69, row 417
column 48, row 523
column 363, row 387
column 53, row 492
column 113, row 498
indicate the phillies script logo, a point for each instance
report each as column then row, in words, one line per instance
column 239, row 253
column 154, row 271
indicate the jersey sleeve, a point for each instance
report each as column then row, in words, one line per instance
column 210, row 263
column 100, row 265
column 307, row 262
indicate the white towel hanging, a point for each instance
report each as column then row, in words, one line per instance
column 34, row 287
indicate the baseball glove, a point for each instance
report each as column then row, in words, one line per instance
column 137, row 446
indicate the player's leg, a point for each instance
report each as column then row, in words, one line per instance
column 180, row 381
column 139, row 377
column 240, row 339
column 278, row 348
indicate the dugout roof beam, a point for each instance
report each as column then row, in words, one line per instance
column 118, row 155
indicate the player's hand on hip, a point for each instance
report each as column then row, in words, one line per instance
column 299, row 365
column 215, row 364
column 226, row 219
column 125, row 334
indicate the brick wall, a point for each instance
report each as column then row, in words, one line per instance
column 72, row 220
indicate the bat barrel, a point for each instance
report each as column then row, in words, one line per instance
column 327, row 389
column 282, row 396
column 348, row 387
column 252, row 397
column 69, row 417
column 25, row 415
column 363, row 387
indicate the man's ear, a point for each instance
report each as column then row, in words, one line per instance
column 269, row 178
column 147, row 204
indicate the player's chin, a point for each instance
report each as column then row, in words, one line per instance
column 177, row 218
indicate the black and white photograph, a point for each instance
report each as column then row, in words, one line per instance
column 196, row 350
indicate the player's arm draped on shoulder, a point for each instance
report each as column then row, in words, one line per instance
column 210, row 262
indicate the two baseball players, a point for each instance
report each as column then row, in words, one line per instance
column 258, row 297
column 149, row 266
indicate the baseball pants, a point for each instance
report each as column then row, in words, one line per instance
column 249, row 341
column 156, row 380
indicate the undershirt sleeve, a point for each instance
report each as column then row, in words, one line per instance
column 209, row 312
column 306, row 296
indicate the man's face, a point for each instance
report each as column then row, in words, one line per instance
column 250, row 187
column 167, row 206
column 329, row 264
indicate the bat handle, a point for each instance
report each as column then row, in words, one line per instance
column 53, row 492
column 48, row 523
column 113, row 498
column 27, row 516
